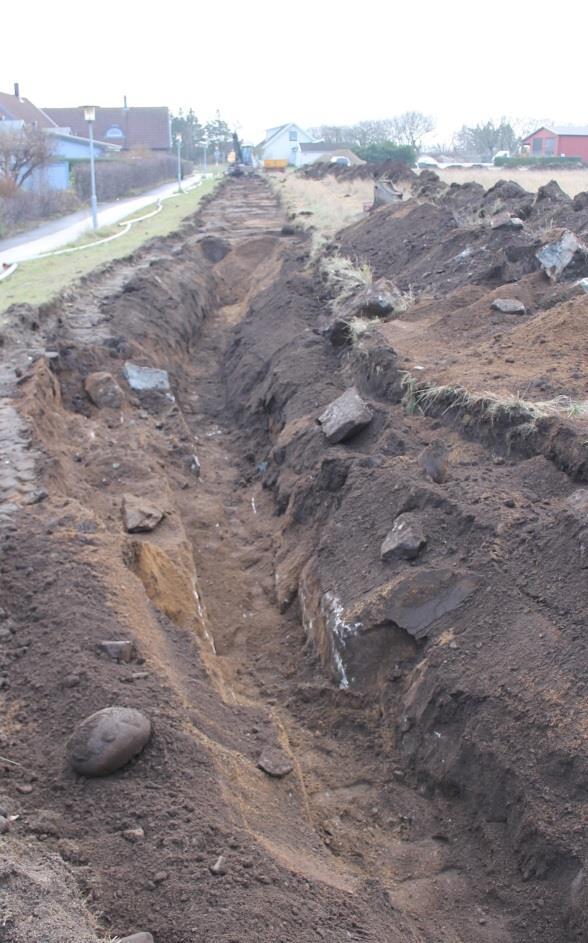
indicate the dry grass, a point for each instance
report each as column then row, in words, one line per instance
column 571, row 181
column 331, row 205
column 343, row 277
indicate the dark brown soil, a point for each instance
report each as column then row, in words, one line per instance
column 440, row 797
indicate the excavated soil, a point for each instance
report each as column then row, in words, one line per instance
column 433, row 710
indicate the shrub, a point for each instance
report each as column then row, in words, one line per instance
column 19, row 207
column 388, row 150
column 118, row 178
column 539, row 163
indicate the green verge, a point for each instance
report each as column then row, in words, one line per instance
column 39, row 280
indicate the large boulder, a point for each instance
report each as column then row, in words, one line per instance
column 107, row 740
column 568, row 254
column 146, row 379
column 345, row 416
column 103, row 390
column 139, row 515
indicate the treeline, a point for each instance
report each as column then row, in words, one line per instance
column 215, row 135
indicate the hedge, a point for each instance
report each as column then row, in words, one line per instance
column 118, row 178
column 539, row 163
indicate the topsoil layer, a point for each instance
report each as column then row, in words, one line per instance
column 440, row 794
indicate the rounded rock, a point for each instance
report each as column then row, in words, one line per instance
column 138, row 938
column 107, row 740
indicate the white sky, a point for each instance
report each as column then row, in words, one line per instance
column 264, row 63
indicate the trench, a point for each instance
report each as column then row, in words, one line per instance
column 358, row 842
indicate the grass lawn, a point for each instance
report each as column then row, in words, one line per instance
column 41, row 279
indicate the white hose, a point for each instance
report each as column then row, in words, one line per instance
column 126, row 226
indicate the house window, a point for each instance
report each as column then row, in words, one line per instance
column 537, row 146
column 114, row 132
column 293, row 135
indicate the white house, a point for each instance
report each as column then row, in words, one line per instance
column 292, row 143
column 283, row 143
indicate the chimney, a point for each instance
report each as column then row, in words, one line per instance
column 125, row 106
column 16, row 90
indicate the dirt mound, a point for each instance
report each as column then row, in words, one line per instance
column 393, row 170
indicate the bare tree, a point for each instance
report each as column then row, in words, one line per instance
column 411, row 127
column 22, row 151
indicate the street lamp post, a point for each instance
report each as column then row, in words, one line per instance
column 205, row 146
column 90, row 116
column 179, row 149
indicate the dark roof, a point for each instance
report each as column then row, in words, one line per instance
column 21, row 109
column 565, row 130
column 141, row 127
column 321, row 146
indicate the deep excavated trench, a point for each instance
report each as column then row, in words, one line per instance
column 412, row 812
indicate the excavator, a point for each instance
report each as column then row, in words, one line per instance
column 244, row 161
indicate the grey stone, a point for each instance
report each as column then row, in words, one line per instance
column 214, row 249
column 4, row 825
column 506, row 221
column 145, row 379
column 133, row 835
column 406, row 539
column 137, row 938
column 119, row 651
column 345, row 416
column 274, row 762
column 583, row 284
column 219, row 866
column 555, row 257
column 509, row 306
column 107, row 740
column 103, row 390
column 434, row 461
column 139, row 515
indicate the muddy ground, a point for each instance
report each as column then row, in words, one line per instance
column 433, row 710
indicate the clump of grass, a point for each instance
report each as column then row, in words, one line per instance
column 360, row 327
column 422, row 397
column 343, row 277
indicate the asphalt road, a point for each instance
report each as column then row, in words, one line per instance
column 60, row 232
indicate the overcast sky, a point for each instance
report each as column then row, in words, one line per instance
column 265, row 63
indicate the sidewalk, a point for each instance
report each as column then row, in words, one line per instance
column 60, row 232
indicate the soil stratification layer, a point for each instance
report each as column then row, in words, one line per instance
column 343, row 747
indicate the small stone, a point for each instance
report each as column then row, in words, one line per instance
column 137, row 938
column 160, row 877
column 509, row 306
column 133, row 835
column 107, row 740
column 25, row 789
column 345, row 416
column 274, row 762
column 4, row 825
column 103, row 390
column 506, row 221
column 139, row 515
column 119, row 651
column 406, row 539
column 146, row 379
column 36, row 496
column 583, row 284
column 219, row 866
column 434, row 461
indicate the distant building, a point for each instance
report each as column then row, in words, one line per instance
column 558, row 142
column 129, row 128
column 292, row 143
column 17, row 113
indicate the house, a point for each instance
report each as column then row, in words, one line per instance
column 129, row 128
column 292, row 143
column 17, row 113
column 558, row 142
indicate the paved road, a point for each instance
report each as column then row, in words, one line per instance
column 62, row 231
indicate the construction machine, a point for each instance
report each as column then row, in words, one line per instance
column 244, row 160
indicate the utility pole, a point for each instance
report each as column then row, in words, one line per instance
column 179, row 147
column 90, row 116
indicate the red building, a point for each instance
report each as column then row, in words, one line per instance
column 558, row 142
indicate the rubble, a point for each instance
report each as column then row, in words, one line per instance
column 345, row 417
column 146, row 379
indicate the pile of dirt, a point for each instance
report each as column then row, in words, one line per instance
column 454, row 251
column 393, row 170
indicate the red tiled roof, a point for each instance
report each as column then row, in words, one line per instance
column 141, row 127
column 21, row 109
